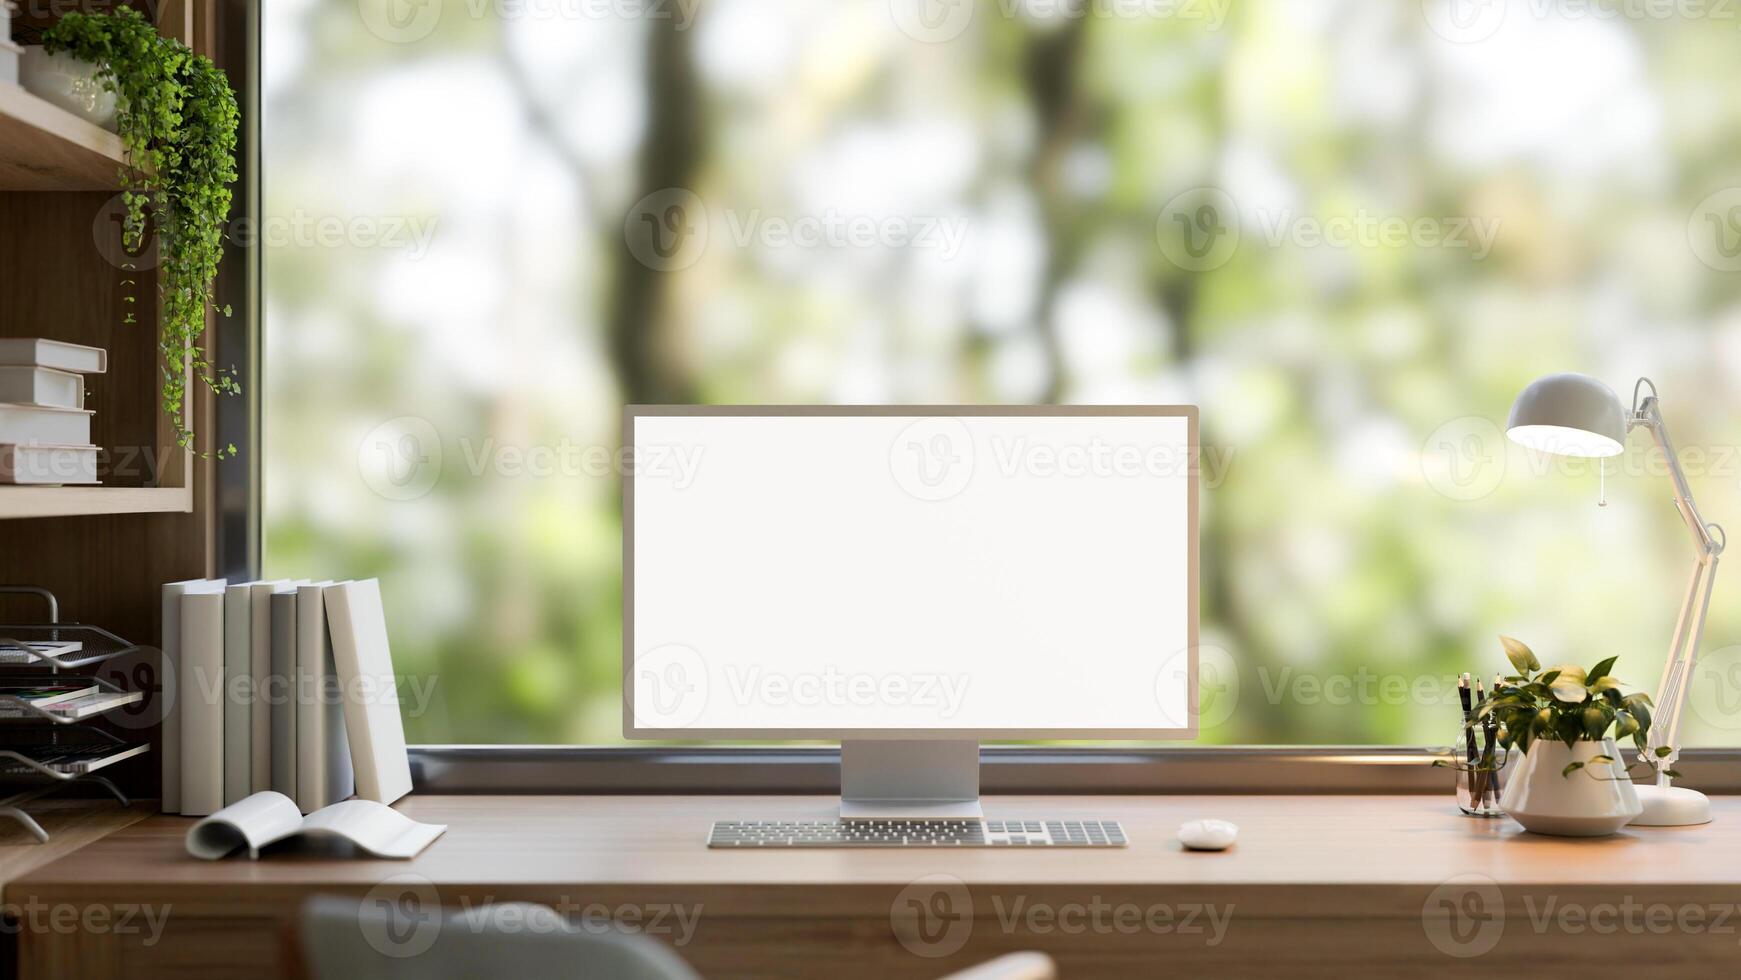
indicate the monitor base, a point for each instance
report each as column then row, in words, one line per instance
column 906, row 779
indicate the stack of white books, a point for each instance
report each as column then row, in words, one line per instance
column 285, row 686
column 45, row 429
column 10, row 53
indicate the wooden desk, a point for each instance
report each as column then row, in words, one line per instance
column 1316, row 887
column 71, row 824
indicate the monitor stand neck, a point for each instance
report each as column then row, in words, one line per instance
column 905, row 779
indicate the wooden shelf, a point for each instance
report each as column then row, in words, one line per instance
column 45, row 148
column 16, row 502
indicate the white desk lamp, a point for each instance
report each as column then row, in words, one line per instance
column 1576, row 415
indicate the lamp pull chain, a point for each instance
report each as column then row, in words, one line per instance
column 1602, row 482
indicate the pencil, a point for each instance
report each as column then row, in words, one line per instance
column 1463, row 693
column 1486, row 746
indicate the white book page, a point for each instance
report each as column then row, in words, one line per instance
column 268, row 817
column 253, row 823
column 374, row 827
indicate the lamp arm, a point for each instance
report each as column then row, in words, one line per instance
column 1649, row 416
column 1683, row 653
column 1671, row 693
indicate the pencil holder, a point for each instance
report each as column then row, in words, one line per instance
column 1480, row 780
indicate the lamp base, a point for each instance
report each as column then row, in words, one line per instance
column 1671, row 806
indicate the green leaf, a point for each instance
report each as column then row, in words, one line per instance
column 1522, row 658
column 1625, row 724
column 1571, row 768
column 1672, row 774
column 1663, row 751
column 1569, row 689
column 1639, row 708
column 1569, row 671
column 1600, row 670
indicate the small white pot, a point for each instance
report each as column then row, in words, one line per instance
column 67, row 82
column 1594, row 801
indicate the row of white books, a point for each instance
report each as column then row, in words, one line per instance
column 45, row 429
column 278, row 685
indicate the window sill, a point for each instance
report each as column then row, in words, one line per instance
column 1015, row 769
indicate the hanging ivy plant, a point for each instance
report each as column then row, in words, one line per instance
column 177, row 117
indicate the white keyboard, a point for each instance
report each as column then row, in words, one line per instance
column 916, row 833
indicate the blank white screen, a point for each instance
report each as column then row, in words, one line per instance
column 850, row 573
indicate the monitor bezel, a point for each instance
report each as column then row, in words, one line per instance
column 633, row 412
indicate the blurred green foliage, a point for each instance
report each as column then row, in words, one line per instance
column 1370, row 531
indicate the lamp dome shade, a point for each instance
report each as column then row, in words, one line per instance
column 1568, row 414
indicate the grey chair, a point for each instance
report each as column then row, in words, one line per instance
column 348, row 939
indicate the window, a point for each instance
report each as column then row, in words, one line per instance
column 1350, row 232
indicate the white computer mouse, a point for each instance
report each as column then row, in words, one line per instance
column 1207, row 835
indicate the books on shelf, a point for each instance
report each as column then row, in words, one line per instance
column 284, row 721
column 281, row 694
column 237, row 702
column 42, row 386
column 34, row 425
column 323, row 757
column 260, row 681
column 198, row 718
column 180, row 667
column 357, row 623
column 45, row 429
column 11, row 54
column 61, row 356
column 48, row 465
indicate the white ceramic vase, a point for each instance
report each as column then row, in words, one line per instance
column 1594, row 801
column 67, row 82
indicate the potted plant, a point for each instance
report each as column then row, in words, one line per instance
column 65, row 81
column 177, row 116
column 1564, row 722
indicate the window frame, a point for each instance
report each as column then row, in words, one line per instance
column 739, row 769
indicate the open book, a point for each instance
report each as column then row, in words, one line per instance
column 267, row 817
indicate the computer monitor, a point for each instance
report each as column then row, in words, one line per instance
column 910, row 580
